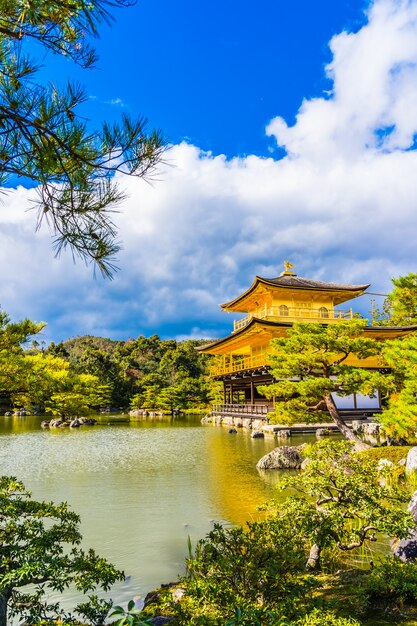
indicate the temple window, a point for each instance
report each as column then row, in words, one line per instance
column 283, row 310
column 323, row 312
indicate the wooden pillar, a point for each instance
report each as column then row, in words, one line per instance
column 231, row 393
column 252, row 391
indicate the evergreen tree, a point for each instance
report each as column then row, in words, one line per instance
column 400, row 306
column 402, row 301
column 399, row 419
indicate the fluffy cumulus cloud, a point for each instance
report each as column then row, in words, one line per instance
column 341, row 205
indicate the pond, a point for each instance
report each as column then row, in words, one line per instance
column 142, row 487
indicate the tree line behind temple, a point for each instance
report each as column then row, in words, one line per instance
column 85, row 374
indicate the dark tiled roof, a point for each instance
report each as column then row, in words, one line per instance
column 305, row 283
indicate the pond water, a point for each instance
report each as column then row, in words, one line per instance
column 142, row 487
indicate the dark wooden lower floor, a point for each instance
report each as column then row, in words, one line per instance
column 242, row 396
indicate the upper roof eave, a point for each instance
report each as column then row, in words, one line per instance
column 296, row 282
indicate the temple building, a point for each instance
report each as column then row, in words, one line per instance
column 271, row 306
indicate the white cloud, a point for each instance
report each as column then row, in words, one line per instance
column 342, row 206
column 372, row 105
column 116, row 102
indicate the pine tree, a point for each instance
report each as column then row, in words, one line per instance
column 310, row 366
column 42, row 137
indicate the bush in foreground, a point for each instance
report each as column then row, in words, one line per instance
column 39, row 545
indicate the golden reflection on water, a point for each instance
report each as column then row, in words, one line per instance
column 236, row 487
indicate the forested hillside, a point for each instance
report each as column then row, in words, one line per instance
column 146, row 372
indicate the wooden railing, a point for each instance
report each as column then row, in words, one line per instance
column 298, row 314
column 238, row 364
column 243, row 409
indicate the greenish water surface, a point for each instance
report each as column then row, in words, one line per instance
column 141, row 487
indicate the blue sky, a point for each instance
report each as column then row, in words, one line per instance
column 213, row 73
column 292, row 130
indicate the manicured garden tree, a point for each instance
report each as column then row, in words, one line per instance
column 79, row 395
column 343, row 500
column 39, row 545
column 42, row 379
column 310, row 365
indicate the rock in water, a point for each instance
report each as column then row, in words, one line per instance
column 257, row 434
column 283, row 457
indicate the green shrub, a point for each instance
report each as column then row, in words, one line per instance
column 392, row 453
column 326, row 618
column 392, row 579
column 244, row 575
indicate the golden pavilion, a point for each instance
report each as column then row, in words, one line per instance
column 271, row 306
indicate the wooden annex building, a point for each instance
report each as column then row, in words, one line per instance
column 271, row 306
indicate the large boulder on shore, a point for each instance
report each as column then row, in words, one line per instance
column 411, row 465
column 406, row 549
column 283, row 457
column 412, row 506
column 371, row 429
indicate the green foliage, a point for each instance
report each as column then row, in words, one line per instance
column 129, row 617
column 81, row 394
column 94, row 611
column 402, row 301
column 43, row 138
column 38, row 378
column 81, row 375
column 399, row 419
column 391, row 579
column 15, row 370
column 40, row 546
column 400, row 307
column 343, row 500
column 248, row 617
